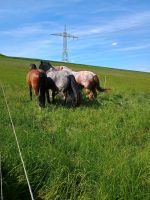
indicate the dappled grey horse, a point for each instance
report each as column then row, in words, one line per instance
column 61, row 82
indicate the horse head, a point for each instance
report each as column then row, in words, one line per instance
column 45, row 65
column 32, row 66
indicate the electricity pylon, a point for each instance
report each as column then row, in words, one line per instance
column 65, row 36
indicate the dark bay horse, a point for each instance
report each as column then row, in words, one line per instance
column 61, row 82
column 87, row 80
column 36, row 79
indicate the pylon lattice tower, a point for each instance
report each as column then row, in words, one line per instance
column 65, row 36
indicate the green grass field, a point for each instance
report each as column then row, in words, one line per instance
column 100, row 150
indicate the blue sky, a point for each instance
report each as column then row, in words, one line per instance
column 111, row 33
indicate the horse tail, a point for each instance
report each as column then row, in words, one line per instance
column 41, row 89
column 75, row 89
column 97, row 85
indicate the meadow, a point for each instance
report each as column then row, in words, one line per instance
column 98, row 151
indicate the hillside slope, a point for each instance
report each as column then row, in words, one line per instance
column 99, row 150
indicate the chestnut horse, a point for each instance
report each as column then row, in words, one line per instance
column 87, row 80
column 36, row 79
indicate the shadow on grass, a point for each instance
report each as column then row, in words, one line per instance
column 100, row 101
column 13, row 189
column 85, row 103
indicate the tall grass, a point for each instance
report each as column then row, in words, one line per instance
column 97, row 151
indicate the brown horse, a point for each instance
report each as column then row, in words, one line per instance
column 87, row 80
column 36, row 79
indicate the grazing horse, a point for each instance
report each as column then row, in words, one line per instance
column 61, row 81
column 36, row 79
column 87, row 80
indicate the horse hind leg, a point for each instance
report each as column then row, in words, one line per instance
column 53, row 97
column 47, row 95
column 65, row 97
column 30, row 92
column 36, row 92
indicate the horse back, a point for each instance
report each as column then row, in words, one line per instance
column 84, row 78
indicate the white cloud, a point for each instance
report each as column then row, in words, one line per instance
column 133, row 48
column 37, row 48
column 26, row 30
column 114, row 44
column 122, row 23
column 31, row 29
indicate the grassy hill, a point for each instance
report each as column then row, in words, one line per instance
column 97, row 151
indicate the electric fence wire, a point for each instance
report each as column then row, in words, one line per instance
column 20, row 154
